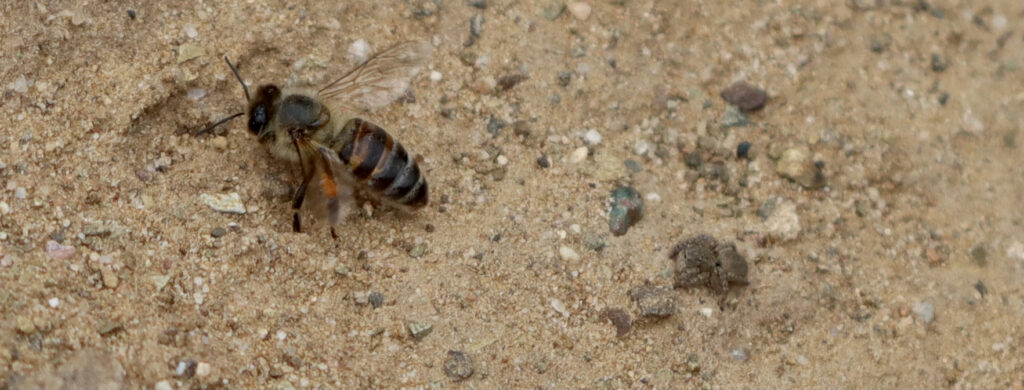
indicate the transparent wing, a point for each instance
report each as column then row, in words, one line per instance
column 331, row 192
column 381, row 79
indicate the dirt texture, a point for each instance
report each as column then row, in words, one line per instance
column 880, row 203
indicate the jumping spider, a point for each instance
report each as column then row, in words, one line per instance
column 703, row 261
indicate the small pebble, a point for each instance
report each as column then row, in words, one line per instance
column 743, row 149
column 739, row 354
column 627, row 209
column 620, row 319
column 633, row 165
column 796, row 165
column 190, row 31
column 693, row 159
column 476, row 26
column 508, row 82
column 654, row 301
column 925, row 311
column 435, row 76
column 226, row 203
column 592, row 137
column 564, row 78
column 982, row 289
column 419, row 330
column 594, row 242
column 939, row 63
column 479, row 4
column 543, row 161
column 109, row 328
column 783, row 223
column 109, row 277
column 220, row 142
column 567, row 253
column 459, row 365
column 188, row 51
column 202, row 369
column 58, row 251
column 559, row 306
column 53, row 302
column 578, row 155
column 376, row 299
column 359, row 51
column 163, row 385
column 501, row 160
column 131, row 14
column 802, row 360
column 24, row 324
column 218, row 232
column 20, row 193
column 979, row 254
column 745, row 96
column 494, row 126
column 733, row 117
column 579, row 9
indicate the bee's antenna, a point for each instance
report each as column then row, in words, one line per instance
column 217, row 123
column 239, row 77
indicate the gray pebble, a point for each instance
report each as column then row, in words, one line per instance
column 979, row 254
column 564, row 78
column 654, row 301
column 578, row 51
column 627, row 209
column 733, row 117
column 745, row 96
column 982, row 289
column 543, row 161
column 925, row 311
column 767, row 207
column 494, row 126
column 459, row 365
column 376, row 299
column 419, row 330
column 939, row 63
column 633, row 165
column 218, row 232
column 479, row 4
column 476, row 25
column 693, row 159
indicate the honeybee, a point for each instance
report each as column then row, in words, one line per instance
column 337, row 151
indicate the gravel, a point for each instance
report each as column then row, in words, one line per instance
column 745, row 96
column 458, row 366
column 627, row 209
column 654, row 301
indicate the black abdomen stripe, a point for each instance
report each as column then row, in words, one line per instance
column 383, row 164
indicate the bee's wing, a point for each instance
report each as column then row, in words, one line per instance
column 381, row 79
column 331, row 187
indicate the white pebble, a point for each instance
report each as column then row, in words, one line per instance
column 592, row 137
column 225, row 203
column 559, row 307
column 579, row 155
column 653, row 197
column 567, row 253
column 202, row 369
column 802, row 360
column 579, row 9
column 4, row 208
column 20, row 193
column 641, row 147
column 502, row 160
column 707, row 311
column 281, row 335
column 196, row 93
column 53, row 302
column 163, row 385
column 190, row 31
column 359, row 51
column 435, row 76
column 19, row 85
column 58, row 251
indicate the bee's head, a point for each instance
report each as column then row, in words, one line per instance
column 261, row 108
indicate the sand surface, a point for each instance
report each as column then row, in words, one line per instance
column 904, row 270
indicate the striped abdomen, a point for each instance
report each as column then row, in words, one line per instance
column 378, row 161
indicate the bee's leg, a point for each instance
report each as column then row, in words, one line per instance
column 300, row 195
column 334, row 234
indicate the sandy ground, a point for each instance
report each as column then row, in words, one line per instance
column 905, row 270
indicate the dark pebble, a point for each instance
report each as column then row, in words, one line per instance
column 745, row 96
column 507, row 82
column 376, row 299
column 982, row 289
column 479, row 4
column 476, row 26
column 693, row 159
column 543, row 161
column 564, row 78
column 979, row 254
column 620, row 319
column 521, row 129
column 218, row 232
column 494, row 126
column 627, row 209
column 939, row 63
column 743, row 149
column 131, row 14
column 459, row 365
column 943, row 98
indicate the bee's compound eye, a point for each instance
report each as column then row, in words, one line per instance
column 258, row 119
